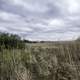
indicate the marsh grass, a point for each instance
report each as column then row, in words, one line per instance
column 53, row 62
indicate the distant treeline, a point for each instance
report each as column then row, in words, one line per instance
column 14, row 41
column 8, row 40
column 28, row 41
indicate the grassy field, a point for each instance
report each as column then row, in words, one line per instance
column 41, row 61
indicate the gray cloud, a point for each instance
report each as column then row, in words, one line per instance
column 41, row 19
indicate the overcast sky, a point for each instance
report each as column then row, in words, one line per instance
column 41, row 19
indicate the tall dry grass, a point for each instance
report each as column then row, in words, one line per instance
column 55, row 62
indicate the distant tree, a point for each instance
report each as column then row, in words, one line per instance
column 28, row 41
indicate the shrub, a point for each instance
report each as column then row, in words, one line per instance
column 10, row 41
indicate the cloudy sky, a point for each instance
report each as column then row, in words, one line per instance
column 41, row 19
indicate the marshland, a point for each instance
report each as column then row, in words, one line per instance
column 23, row 60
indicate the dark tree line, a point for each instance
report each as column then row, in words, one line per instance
column 11, row 41
column 28, row 41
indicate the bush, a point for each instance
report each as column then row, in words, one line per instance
column 10, row 41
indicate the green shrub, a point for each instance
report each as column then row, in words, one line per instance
column 11, row 41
